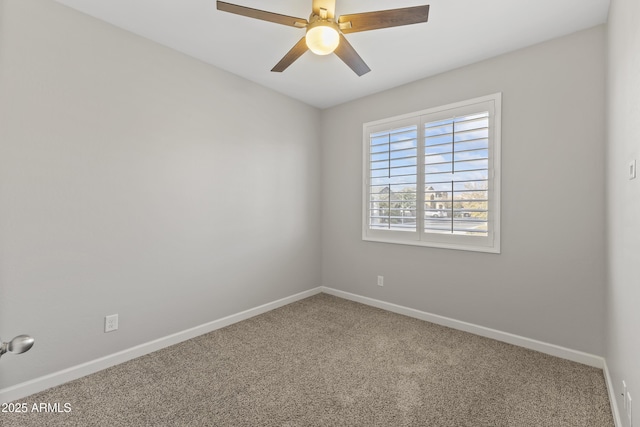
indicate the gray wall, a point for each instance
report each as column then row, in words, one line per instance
column 623, row 200
column 548, row 282
column 135, row 180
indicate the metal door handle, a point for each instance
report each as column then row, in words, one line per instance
column 18, row 345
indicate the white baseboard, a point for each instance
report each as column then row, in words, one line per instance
column 551, row 349
column 613, row 398
column 42, row 383
column 36, row 385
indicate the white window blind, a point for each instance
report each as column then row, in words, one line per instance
column 393, row 166
column 432, row 178
column 456, row 153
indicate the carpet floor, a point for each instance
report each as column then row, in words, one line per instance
column 326, row 361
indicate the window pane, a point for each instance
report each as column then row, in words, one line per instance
column 393, row 170
column 456, row 159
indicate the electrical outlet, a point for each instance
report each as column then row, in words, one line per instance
column 111, row 323
column 380, row 280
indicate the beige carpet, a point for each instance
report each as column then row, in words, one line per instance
column 325, row 361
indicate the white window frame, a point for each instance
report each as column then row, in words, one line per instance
column 489, row 243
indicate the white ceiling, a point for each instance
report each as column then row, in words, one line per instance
column 459, row 32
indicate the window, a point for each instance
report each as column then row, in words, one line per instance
column 432, row 178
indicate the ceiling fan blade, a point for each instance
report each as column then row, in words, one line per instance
column 262, row 15
column 329, row 5
column 295, row 53
column 349, row 56
column 383, row 19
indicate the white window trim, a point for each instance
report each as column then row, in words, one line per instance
column 489, row 243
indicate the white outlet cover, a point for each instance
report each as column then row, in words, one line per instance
column 111, row 323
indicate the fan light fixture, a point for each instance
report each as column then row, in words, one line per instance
column 325, row 32
column 322, row 37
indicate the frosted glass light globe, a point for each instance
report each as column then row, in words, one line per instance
column 322, row 39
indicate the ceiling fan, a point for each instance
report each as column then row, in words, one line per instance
column 325, row 34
